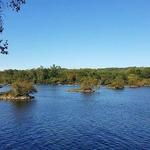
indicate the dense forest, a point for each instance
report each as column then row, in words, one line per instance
column 111, row 77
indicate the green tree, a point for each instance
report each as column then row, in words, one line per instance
column 55, row 70
column 134, row 81
column 88, row 84
column 23, row 88
column 117, row 83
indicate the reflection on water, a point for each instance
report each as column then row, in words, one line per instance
column 22, row 111
column 23, row 105
column 56, row 119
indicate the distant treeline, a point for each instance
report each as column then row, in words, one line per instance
column 132, row 76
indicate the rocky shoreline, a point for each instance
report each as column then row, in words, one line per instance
column 15, row 98
column 81, row 90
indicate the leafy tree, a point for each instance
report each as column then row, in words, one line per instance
column 23, row 88
column 55, row 70
column 117, row 83
column 145, row 73
column 88, row 84
column 72, row 77
column 134, row 81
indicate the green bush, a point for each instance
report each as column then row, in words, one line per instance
column 88, row 83
column 117, row 83
column 23, row 88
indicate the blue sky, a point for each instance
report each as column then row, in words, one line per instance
column 78, row 34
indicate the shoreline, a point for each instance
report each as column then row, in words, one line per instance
column 13, row 98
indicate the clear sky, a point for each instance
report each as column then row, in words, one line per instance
column 78, row 33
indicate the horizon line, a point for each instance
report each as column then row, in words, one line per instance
column 69, row 68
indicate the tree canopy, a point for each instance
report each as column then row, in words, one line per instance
column 111, row 77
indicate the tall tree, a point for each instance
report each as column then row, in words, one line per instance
column 15, row 5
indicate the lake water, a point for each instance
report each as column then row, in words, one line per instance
column 58, row 120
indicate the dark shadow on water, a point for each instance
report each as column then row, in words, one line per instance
column 89, row 96
column 23, row 111
column 25, row 105
column 117, row 91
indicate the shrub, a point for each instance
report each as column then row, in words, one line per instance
column 117, row 83
column 89, row 84
column 23, row 88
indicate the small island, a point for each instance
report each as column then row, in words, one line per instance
column 87, row 85
column 20, row 91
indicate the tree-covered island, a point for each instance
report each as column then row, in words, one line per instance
column 87, row 85
column 20, row 90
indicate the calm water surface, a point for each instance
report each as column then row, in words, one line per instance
column 58, row 120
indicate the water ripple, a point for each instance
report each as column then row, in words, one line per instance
column 56, row 120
